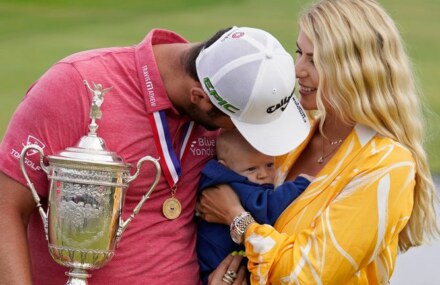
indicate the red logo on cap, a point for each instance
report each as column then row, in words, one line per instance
column 237, row 35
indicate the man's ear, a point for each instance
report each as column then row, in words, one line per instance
column 199, row 98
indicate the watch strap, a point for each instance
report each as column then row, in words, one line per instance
column 239, row 225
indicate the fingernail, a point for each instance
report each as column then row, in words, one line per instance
column 234, row 253
column 241, row 252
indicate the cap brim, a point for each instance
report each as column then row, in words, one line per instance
column 280, row 136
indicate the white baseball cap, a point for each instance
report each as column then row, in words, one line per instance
column 250, row 77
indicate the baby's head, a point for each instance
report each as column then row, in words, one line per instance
column 237, row 154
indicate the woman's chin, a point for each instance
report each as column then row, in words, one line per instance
column 308, row 103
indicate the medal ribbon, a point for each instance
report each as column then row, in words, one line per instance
column 170, row 163
column 156, row 101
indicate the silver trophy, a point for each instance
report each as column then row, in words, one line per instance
column 83, row 222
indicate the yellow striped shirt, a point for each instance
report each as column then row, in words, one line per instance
column 344, row 228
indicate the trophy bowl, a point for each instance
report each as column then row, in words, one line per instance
column 83, row 221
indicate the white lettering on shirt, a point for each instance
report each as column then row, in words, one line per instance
column 203, row 147
column 27, row 162
column 149, row 86
column 34, row 141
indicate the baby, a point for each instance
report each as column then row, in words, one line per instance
column 251, row 174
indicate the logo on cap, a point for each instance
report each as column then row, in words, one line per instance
column 237, row 35
column 300, row 110
column 282, row 105
column 219, row 99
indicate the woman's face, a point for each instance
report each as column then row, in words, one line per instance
column 306, row 72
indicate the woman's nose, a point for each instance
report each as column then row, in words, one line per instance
column 299, row 69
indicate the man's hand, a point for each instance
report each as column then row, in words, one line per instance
column 219, row 204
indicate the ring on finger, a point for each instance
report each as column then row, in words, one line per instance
column 228, row 279
column 232, row 274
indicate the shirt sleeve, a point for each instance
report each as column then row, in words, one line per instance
column 53, row 115
column 266, row 204
column 215, row 173
column 262, row 201
column 348, row 234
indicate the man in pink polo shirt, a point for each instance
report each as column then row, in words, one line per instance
column 241, row 77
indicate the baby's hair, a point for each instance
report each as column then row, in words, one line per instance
column 229, row 139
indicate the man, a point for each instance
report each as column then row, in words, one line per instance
column 241, row 77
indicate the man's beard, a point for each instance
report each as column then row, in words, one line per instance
column 205, row 119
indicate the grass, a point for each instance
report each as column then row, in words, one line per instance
column 34, row 34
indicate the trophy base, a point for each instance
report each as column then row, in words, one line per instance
column 77, row 277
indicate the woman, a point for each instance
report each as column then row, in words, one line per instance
column 373, row 194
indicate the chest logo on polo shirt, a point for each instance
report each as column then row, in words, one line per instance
column 203, row 146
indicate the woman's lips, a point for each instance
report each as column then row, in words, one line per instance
column 304, row 90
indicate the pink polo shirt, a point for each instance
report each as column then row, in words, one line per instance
column 55, row 115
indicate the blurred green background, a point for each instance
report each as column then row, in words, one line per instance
column 34, row 34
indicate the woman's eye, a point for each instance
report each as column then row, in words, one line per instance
column 270, row 165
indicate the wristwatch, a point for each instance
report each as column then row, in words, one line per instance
column 239, row 226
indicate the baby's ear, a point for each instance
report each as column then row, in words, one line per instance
column 221, row 161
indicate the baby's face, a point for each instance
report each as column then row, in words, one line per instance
column 257, row 167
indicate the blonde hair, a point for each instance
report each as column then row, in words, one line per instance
column 362, row 64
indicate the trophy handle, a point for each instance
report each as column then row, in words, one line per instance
column 43, row 214
column 124, row 224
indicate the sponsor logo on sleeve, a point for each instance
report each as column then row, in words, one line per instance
column 27, row 161
column 33, row 140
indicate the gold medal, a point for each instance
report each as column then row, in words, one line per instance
column 171, row 208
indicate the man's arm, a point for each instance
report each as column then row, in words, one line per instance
column 16, row 206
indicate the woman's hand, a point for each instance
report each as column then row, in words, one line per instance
column 229, row 271
column 219, row 204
